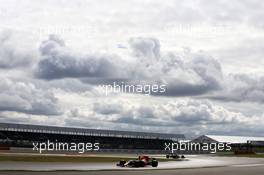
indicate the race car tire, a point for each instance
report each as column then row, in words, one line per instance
column 121, row 163
column 141, row 164
column 154, row 163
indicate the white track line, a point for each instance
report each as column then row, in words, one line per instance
column 247, row 165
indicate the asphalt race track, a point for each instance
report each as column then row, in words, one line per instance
column 204, row 165
column 191, row 162
column 232, row 170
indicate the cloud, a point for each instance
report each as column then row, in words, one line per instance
column 24, row 97
column 232, row 11
column 171, row 113
column 60, row 62
column 186, row 74
column 25, row 118
column 152, row 58
column 241, row 88
column 14, row 51
column 107, row 109
column 145, row 47
column 188, row 114
column 192, row 74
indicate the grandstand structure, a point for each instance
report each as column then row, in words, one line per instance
column 23, row 135
column 239, row 144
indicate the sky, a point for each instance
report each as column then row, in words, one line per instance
column 55, row 55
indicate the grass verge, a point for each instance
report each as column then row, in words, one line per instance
column 43, row 158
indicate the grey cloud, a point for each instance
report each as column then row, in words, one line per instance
column 198, row 116
column 197, row 76
column 67, row 85
column 230, row 12
column 59, row 62
column 242, row 87
column 14, row 52
column 212, row 12
column 177, row 112
column 184, row 74
column 26, row 98
column 187, row 74
column 107, row 109
column 145, row 47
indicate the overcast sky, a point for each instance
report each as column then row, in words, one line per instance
column 55, row 54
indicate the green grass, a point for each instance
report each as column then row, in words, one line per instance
column 77, row 159
column 42, row 158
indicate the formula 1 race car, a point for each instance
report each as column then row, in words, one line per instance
column 175, row 156
column 142, row 161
